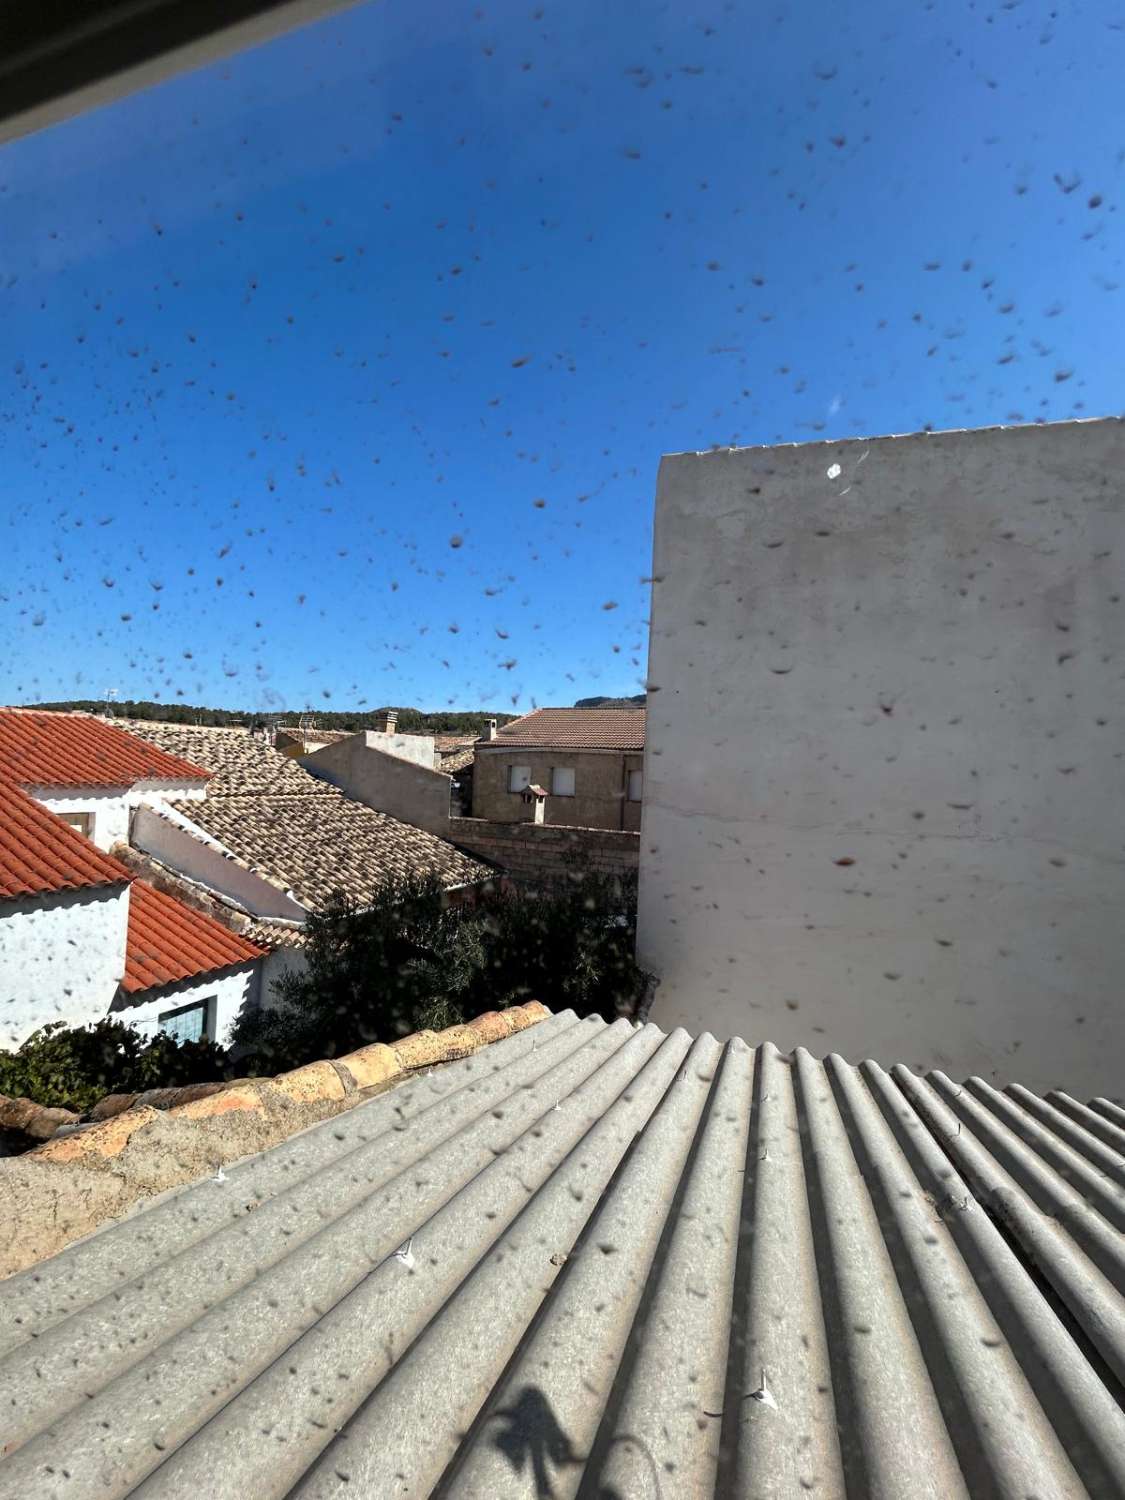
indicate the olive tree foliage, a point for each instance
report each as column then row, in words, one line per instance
column 413, row 958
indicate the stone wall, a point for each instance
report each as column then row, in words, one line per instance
column 600, row 786
column 532, row 853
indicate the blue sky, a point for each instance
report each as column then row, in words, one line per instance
column 339, row 374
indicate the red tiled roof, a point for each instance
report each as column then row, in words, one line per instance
column 575, row 729
column 169, row 941
column 41, row 853
column 55, row 749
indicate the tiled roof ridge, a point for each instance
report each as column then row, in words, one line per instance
column 575, row 728
column 169, row 941
column 233, row 1118
column 41, row 855
column 85, row 751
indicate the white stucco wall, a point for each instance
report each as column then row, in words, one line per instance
column 418, row 748
column 61, row 959
column 110, row 809
column 200, row 857
column 228, row 993
column 884, row 770
column 278, row 963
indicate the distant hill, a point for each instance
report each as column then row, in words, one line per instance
column 637, row 702
column 410, row 720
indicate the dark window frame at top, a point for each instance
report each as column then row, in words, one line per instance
column 207, row 1029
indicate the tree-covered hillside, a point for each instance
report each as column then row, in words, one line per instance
column 410, row 720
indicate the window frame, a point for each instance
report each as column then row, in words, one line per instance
column 638, row 772
column 82, row 822
column 573, row 781
column 207, row 1031
column 516, row 790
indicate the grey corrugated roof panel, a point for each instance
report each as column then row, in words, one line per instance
column 599, row 1261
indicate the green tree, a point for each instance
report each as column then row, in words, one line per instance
column 72, row 1067
column 414, row 959
column 404, row 961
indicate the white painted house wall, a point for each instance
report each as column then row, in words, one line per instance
column 111, row 807
column 61, row 958
column 884, row 775
column 278, row 964
column 419, row 748
column 179, row 844
column 227, row 995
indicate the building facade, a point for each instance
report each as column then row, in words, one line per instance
column 588, row 761
column 80, row 938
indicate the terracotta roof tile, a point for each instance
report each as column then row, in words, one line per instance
column 317, row 845
column 301, row 833
column 240, row 763
column 277, row 934
column 57, row 749
column 576, row 729
column 168, row 941
column 456, row 760
column 40, row 853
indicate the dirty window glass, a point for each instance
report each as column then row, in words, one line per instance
column 337, row 372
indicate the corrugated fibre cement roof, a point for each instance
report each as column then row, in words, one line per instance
column 600, row 1262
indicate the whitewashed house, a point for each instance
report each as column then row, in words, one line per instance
column 80, row 937
column 64, row 913
column 165, row 873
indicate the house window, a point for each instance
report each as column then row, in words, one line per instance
column 188, row 1024
column 519, row 777
column 83, row 821
column 636, row 780
column 562, row 781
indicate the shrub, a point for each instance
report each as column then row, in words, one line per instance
column 72, row 1067
column 403, row 962
column 570, row 947
column 412, row 959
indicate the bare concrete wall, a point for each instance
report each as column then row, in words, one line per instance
column 600, row 786
column 368, row 768
column 884, row 777
column 420, row 748
column 531, row 853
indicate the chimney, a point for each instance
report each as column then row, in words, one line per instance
column 390, row 719
column 534, row 799
column 491, row 735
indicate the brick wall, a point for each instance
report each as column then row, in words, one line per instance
column 531, row 852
